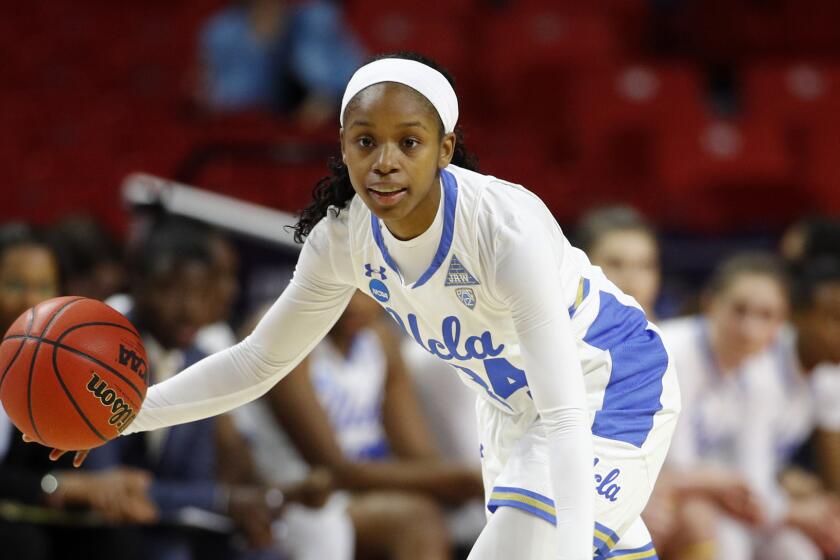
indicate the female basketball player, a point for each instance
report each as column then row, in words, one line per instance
column 476, row 271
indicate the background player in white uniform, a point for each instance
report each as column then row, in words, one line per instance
column 368, row 433
column 477, row 272
column 624, row 245
column 740, row 412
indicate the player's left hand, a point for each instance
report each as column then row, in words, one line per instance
column 313, row 491
column 56, row 454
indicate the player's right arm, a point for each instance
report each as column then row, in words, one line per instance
column 298, row 320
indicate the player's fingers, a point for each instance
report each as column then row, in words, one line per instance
column 80, row 458
column 147, row 512
column 56, row 454
column 26, row 438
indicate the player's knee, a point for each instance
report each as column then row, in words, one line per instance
column 697, row 521
column 423, row 522
column 400, row 525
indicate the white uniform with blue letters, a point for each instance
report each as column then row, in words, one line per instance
column 452, row 312
column 465, row 309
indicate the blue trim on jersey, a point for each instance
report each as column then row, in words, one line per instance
column 639, row 361
column 376, row 229
column 526, row 500
column 375, row 452
column 450, row 201
column 647, row 552
column 604, row 540
column 583, row 292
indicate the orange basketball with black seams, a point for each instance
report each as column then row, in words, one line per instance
column 73, row 373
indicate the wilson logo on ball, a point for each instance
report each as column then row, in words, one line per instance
column 129, row 357
column 121, row 412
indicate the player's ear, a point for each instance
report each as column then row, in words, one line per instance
column 447, row 149
column 341, row 142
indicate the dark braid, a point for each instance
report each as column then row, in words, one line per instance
column 336, row 191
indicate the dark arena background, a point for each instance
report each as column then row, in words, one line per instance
column 155, row 152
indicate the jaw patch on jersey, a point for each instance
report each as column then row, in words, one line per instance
column 457, row 275
column 467, row 296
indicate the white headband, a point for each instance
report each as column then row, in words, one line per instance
column 427, row 81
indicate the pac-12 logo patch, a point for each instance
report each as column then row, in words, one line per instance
column 467, row 296
column 379, row 290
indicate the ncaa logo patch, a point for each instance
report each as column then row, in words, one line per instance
column 379, row 290
column 467, row 296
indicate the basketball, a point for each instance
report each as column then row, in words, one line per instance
column 72, row 373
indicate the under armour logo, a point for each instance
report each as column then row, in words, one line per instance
column 369, row 272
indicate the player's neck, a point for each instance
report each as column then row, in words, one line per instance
column 728, row 360
column 420, row 218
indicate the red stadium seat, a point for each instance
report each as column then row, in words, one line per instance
column 618, row 118
column 389, row 27
column 804, row 101
column 799, row 95
column 715, row 173
column 822, row 170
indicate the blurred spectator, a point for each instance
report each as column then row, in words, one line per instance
column 29, row 274
column 217, row 334
column 171, row 277
column 284, row 56
column 721, row 488
column 449, row 408
column 620, row 241
column 810, row 238
column 812, row 350
column 91, row 259
column 350, row 407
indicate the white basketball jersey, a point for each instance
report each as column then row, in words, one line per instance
column 809, row 400
column 452, row 311
column 351, row 389
column 730, row 418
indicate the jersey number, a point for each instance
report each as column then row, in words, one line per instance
column 504, row 378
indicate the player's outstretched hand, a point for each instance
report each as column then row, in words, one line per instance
column 56, row 454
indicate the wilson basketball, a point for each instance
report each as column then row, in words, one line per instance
column 72, row 373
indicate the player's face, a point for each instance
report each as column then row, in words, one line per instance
column 172, row 302
column 392, row 146
column 28, row 276
column 819, row 326
column 746, row 315
column 630, row 259
column 225, row 278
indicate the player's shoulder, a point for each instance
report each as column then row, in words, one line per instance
column 328, row 246
column 333, row 229
column 496, row 203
